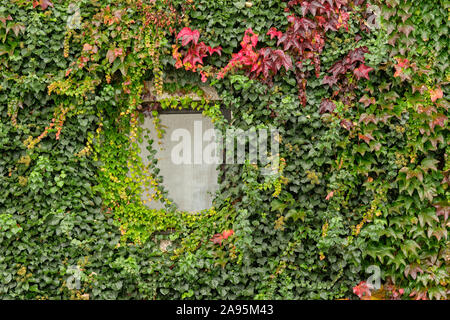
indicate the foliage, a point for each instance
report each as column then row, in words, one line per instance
column 360, row 103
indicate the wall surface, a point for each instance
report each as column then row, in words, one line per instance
column 191, row 186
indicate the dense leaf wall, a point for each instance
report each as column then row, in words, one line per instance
column 364, row 168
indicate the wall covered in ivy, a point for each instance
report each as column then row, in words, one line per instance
column 358, row 91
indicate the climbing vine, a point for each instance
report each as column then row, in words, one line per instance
column 356, row 89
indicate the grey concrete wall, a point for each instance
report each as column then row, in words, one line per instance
column 191, row 186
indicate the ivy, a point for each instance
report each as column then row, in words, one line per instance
column 358, row 96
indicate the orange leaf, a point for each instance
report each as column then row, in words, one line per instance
column 436, row 94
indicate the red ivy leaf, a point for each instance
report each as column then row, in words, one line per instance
column 329, row 195
column 87, row 47
column 249, row 38
column 436, row 94
column 366, row 137
column 362, row 72
column 366, row 118
column 338, row 68
column 362, row 290
column 216, row 49
column 311, row 7
column 420, row 88
column 442, row 209
column 273, row 60
column 326, row 106
column 357, row 55
column 330, row 80
column 110, row 56
column 273, row 32
column 227, row 233
column 427, row 110
column 193, row 57
column 217, row 238
column 406, row 29
column 43, row 3
column 346, row 124
column 289, row 40
column 367, row 101
column 8, row 18
column 438, row 120
column 412, row 270
column 419, row 295
column 188, row 35
column 301, row 23
column 446, row 176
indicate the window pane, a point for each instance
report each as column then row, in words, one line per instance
column 191, row 184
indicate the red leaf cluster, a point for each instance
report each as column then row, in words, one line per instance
column 43, row 3
column 166, row 19
column 436, row 94
column 192, row 59
column 401, row 66
column 304, row 39
column 305, row 36
column 187, row 35
column 349, row 63
column 265, row 61
column 442, row 209
column 326, row 106
column 219, row 237
column 362, row 290
column 362, row 71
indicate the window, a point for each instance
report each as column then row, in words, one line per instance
column 190, row 181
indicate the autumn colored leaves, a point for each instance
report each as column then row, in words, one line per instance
column 303, row 39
